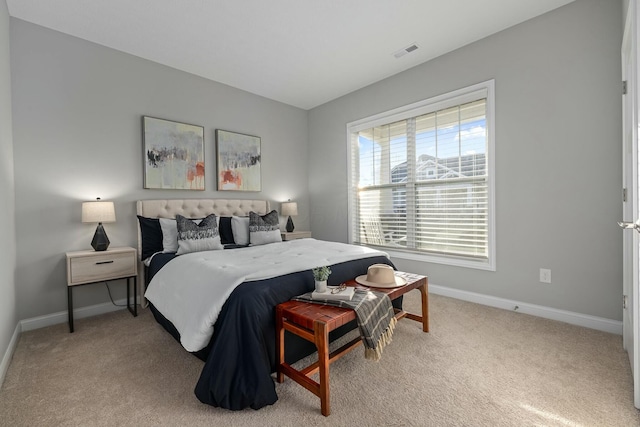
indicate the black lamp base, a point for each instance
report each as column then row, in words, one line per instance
column 289, row 225
column 100, row 240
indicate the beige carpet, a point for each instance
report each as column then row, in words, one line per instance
column 478, row 367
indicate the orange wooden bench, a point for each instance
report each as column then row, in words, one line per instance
column 313, row 322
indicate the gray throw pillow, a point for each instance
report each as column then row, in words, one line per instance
column 194, row 237
column 264, row 229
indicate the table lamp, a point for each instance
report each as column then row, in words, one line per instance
column 99, row 212
column 289, row 209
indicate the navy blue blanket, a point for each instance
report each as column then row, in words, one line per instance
column 242, row 355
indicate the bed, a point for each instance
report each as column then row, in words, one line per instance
column 239, row 352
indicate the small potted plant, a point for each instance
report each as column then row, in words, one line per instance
column 321, row 274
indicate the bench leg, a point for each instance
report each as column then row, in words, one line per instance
column 279, row 345
column 424, row 293
column 322, row 342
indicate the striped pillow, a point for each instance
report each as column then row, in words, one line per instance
column 264, row 229
column 194, row 237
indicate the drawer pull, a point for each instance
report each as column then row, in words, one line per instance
column 104, row 262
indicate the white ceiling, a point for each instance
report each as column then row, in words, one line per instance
column 300, row 52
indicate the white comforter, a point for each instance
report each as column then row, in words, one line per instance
column 191, row 289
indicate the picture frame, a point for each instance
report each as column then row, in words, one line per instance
column 238, row 161
column 173, row 155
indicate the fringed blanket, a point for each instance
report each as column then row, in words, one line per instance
column 374, row 314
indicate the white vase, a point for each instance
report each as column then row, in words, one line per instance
column 321, row 286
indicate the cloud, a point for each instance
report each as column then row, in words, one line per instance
column 474, row 132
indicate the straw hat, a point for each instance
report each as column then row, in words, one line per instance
column 381, row 276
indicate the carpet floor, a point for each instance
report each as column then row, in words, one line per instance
column 479, row 366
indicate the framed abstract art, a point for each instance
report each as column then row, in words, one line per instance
column 173, row 155
column 239, row 161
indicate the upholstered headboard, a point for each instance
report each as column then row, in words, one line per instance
column 191, row 208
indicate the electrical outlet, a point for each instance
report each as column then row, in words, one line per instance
column 545, row 275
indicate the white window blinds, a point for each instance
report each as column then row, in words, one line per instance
column 421, row 184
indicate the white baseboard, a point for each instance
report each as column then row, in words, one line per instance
column 63, row 317
column 592, row 322
column 8, row 355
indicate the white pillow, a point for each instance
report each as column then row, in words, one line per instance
column 240, row 229
column 170, row 233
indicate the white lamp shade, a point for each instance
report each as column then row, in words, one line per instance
column 98, row 212
column 289, row 209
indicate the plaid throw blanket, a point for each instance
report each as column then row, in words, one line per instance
column 374, row 314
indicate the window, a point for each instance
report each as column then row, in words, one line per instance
column 421, row 179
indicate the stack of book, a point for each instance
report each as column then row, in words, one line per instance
column 335, row 293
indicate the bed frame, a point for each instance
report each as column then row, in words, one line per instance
column 190, row 208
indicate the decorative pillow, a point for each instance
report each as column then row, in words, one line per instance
column 225, row 230
column 170, row 234
column 264, row 229
column 151, row 234
column 240, row 228
column 194, row 237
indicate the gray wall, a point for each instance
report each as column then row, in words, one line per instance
column 625, row 6
column 76, row 133
column 558, row 156
column 77, row 110
column 8, row 315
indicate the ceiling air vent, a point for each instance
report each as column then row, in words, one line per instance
column 404, row 51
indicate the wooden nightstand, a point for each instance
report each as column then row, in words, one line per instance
column 87, row 267
column 295, row 235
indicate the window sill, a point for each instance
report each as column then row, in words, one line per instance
column 446, row 260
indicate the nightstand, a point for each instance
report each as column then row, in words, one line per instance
column 293, row 235
column 87, row 267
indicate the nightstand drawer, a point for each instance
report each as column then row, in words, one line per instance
column 103, row 266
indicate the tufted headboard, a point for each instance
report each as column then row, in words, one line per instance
column 191, row 208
